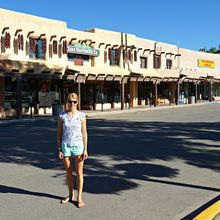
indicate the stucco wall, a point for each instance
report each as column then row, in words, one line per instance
column 95, row 37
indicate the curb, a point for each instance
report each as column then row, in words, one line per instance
column 94, row 114
column 210, row 212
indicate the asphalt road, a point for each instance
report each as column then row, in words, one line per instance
column 149, row 165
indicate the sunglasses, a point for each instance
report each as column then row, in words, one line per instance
column 72, row 102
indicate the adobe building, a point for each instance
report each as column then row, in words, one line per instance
column 42, row 60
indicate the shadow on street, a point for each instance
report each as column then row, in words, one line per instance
column 130, row 145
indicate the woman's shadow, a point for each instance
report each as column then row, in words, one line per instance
column 10, row 189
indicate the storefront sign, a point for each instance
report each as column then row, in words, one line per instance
column 78, row 62
column 82, row 49
column 206, row 63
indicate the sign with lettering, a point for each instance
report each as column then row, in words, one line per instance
column 82, row 49
column 206, row 63
column 78, row 62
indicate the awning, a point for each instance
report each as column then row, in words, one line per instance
column 99, row 71
column 168, row 73
column 31, row 67
column 144, row 72
column 193, row 74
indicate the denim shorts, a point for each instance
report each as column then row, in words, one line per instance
column 69, row 151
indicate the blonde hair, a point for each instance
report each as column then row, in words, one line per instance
column 73, row 96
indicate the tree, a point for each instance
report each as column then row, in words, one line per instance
column 214, row 50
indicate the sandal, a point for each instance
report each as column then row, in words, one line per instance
column 65, row 200
column 81, row 204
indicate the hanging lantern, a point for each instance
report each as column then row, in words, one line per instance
column 135, row 55
column 118, row 54
column 44, row 45
column 19, row 42
column 32, row 44
column 6, row 40
column 129, row 55
column 109, row 53
column 22, row 42
column 60, row 49
column 3, row 41
column 54, row 47
column 15, row 43
column 9, row 40
column 64, row 47
column 50, row 50
column 124, row 55
column 105, row 56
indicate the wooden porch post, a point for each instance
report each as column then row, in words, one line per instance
column 155, row 94
column 210, row 91
column 18, row 97
column 196, row 92
column 79, row 94
column 122, row 94
column 177, row 93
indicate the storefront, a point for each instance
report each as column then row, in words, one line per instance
column 42, row 61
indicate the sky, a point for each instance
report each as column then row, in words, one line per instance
column 191, row 24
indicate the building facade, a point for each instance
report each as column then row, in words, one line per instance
column 41, row 60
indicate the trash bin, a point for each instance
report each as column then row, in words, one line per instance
column 181, row 98
column 56, row 109
column 191, row 99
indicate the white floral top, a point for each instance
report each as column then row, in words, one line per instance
column 72, row 129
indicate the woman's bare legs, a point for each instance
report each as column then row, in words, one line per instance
column 79, row 172
column 68, row 163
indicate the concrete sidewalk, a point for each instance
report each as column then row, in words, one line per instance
column 91, row 114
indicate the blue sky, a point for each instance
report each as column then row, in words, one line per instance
column 192, row 23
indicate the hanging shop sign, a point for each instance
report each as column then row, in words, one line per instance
column 206, row 63
column 82, row 49
column 78, row 62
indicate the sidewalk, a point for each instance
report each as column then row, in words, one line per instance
column 91, row 114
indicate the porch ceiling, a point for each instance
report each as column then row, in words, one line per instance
column 30, row 67
column 98, row 71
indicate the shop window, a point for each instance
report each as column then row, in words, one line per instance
column 103, row 93
column 114, row 56
column 117, row 96
column 37, row 48
column 143, row 62
column 10, row 93
column 169, row 64
column 157, row 61
column 49, row 92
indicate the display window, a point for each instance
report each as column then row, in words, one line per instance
column 10, row 93
column 49, row 92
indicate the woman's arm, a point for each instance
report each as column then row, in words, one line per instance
column 85, row 138
column 59, row 137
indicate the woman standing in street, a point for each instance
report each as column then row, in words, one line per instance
column 72, row 145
